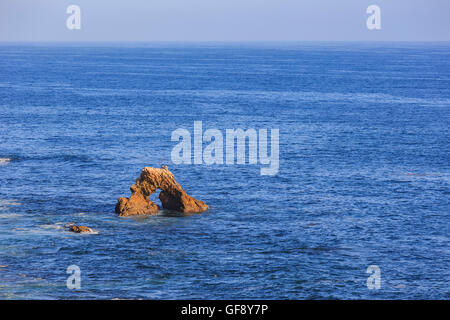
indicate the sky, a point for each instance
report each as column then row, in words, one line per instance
column 225, row 20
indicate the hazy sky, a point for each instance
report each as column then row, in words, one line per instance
column 224, row 20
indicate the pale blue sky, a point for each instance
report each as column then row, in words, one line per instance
column 224, row 20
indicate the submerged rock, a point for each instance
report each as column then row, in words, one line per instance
column 172, row 196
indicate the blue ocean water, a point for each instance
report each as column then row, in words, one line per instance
column 363, row 179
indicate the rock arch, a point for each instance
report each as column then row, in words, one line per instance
column 172, row 196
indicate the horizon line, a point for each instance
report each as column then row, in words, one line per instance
column 216, row 41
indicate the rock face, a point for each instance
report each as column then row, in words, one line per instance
column 172, row 196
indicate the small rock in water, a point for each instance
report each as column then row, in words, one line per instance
column 80, row 229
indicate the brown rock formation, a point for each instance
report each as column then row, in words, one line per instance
column 172, row 196
column 80, row 229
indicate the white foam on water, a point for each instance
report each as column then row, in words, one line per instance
column 10, row 215
column 6, row 202
column 82, row 233
column 4, row 161
column 5, row 205
column 91, row 232
column 55, row 226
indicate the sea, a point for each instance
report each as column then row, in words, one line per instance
column 359, row 207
